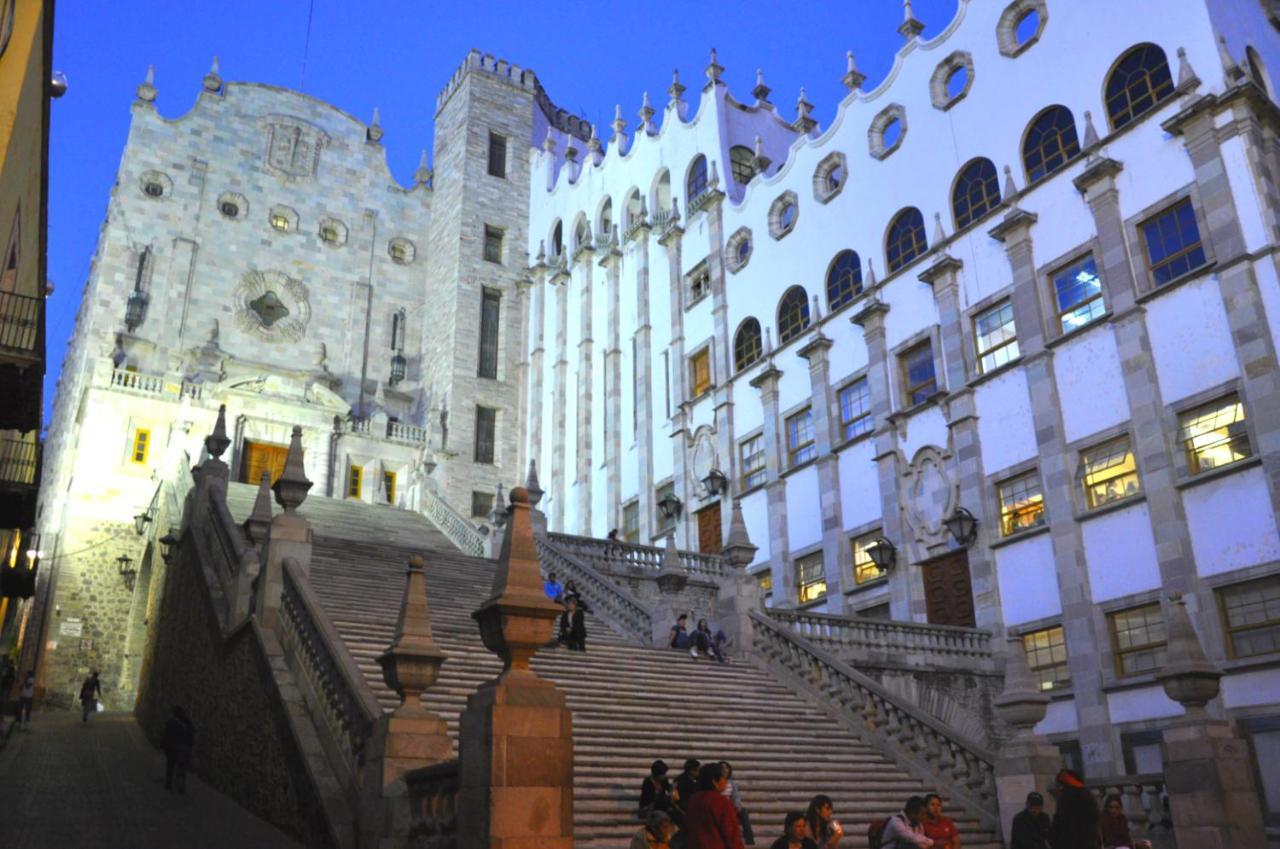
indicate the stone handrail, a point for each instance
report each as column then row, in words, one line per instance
column 466, row 536
column 898, row 642
column 1146, row 805
column 898, row 729
column 610, row 554
column 346, row 705
column 228, row 552
column 433, row 805
column 406, row 432
column 150, row 384
column 618, row 607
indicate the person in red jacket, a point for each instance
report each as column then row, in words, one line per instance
column 711, row 821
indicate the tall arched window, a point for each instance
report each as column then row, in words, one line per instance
column 905, row 239
column 633, row 208
column 557, row 239
column 1050, row 143
column 742, row 160
column 696, row 183
column 397, row 330
column 606, row 217
column 1138, row 84
column 844, row 279
column 793, row 314
column 977, row 192
column 662, row 193
column 746, row 344
column 580, row 233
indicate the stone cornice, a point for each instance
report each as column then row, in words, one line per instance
column 1095, row 172
column 873, row 310
column 819, row 344
column 770, row 374
column 943, row 265
column 1013, row 220
column 672, row 233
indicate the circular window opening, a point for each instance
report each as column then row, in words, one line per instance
column 153, row 188
column 956, row 82
column 1027, row 27
column 229, row 208
column 280, row 222
column 892, row 134
column 399, row 253
column 329, row 233
column 835, row 178
column 788, row 217
column 744, row 250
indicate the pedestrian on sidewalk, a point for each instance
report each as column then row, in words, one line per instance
column 178, row 741
column 710, row 821
column 90, row 691
column 1032, row 827
column 795, row 833
column 25, row 698
column 938, row 827
column 824, row 828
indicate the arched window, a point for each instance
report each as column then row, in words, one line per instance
column 581, row 235
column 1139, row 82
column 606, row 217
column 633, row 208
column 793, row 314
column 662, row 193
column 742, row 160
column 746, row 344
column 905, row 239
column 696, row 183
column 977, row 192
column 844, row 280
column 557, row 239
column 1050, row 143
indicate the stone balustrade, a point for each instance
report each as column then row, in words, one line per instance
column 466, row 536
column 900, row 643
column 614, row 554
column 614, row 604
column 433, row 806
column 901, row 731
column 1146, row 805
column 403, row 432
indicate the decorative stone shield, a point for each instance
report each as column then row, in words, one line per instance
column 272, row 305
column 929, row 494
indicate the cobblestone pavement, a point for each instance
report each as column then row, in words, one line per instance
column 101, row 786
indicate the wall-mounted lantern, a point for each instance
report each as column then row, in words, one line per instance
column 883, row 554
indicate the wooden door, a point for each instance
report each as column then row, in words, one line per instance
column 262, row 457
column 948, row 592
column 709, row 540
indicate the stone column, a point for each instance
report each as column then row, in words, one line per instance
column 1058, row 479
column 585, row 383
column 1028, row 762
column 671, row 239
column 559, row 406
column 290, row 534
column 837, row 554
column 776, row 489
column 524, row 298
column 611, row 263
column 536, row 357
column 516, row 734
column 1207, row 768
column 643, row 389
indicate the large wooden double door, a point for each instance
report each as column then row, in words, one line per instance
column 948, row 591
column 709, row 539
column 259, row 457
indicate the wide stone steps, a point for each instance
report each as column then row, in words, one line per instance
column 631, row 703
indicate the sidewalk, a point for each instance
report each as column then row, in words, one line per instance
column 101, row 786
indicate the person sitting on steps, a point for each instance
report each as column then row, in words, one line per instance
column 679, row 638
column 552, row 588
column 795, row 833
column 703, row 640
column 655, row 792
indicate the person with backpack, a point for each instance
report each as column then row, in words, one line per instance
column 902, row 830
column 795, row 833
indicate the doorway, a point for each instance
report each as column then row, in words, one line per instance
column 259, row 457
column 948, row 591
column 709, row 539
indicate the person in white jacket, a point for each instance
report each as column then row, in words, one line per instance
column 904, row 830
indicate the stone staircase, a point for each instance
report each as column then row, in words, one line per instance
column 631, row 703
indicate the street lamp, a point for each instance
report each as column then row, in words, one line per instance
column 882, row 554
column 715, row 482
column 124, row 565
column 135, row 310
column 140, row 522
column 671, row 506
column 167, row 542
column 963, row 525
column 398, row 365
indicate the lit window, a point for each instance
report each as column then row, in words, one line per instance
column 1214, row 435
column 919, row 378
column 631, row 522
column 1139, row 83
column 746, row 344
column 996, row 337
column 793, row 314
column 844, row 280
column 855, row 409
column 1173, row 242
column 1047, row 657
column 905, row 240
column 977, row 192
column 811, row 579
column 764, row 580
column 492, row 244
column 389, row 483
column 280, row 222
column 1109, row 472
column 1138, row 639
column 1050, row 143
column 1021, row 504
column 800, row 447
column 696, row 184
column 141, row 445
column 751, row 459
column 742, row 160
column 1251, row 616
column 1078, row 291
column 865, row 569
column 486, row 427
column 329, row 234
column 497, row 155
column 481, row 505
column 700, row 372
column 355, row 476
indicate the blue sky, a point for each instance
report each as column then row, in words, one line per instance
column 397, row 54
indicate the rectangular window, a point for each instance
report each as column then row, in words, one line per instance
column 996, row 337
column 700, row 372
column 497, row 155
column 490, row 305
column 1077, row 290
column 864, row 568
column 764, row 579
column 492, row 244
column 355, row 477
column 699, row 284
column 664, row 523
column 486, row 425
column 855, row 409
column 1172, row 240
column 751, row 459
column 481, row 505
column 1109, row 473
column 1047, row 657
column 1251, row 616
column 800, row 447
column 389, row 484
column 811, row 578
column 918, row 376
column 1138, row 639
column 141, row 445
column 631, row 522
column 1021, row 504
column 1214, row 435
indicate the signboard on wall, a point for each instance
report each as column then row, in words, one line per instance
column 70, row 628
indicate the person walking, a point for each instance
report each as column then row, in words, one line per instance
column 710, row 821
column 938, row 827
column 1075, row 821
column 795, row 833
column 178, row 741
column 1032, row 827
column 824, row 828
column 25, row 697
column 90, row 691
column 904, row 830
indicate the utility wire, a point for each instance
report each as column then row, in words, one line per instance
column 306, row 50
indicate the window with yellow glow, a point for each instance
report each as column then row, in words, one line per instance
column 811, row 578
column 864, row 568
column 279, row 222
column 1214, row 435
column 1109, row 472
column 1021, row 504
column 355, row 476
column 700, row 372
column 141, row 445
column 1047, row 657
column 764, row 580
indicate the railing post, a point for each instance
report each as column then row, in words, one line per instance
column 1028, row 762
column 739, row 594
column 289, row 536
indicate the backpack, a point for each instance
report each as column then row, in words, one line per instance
column 875, row 832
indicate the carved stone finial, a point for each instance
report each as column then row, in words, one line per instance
column 675, row 210
column 1010, row 188
column 853, row 78
column 259, row 522
column 871, row 274
column 216, row 443
column 676, row 90
column 570, row 151
column 804, row 113
column 147, row 90
column 549, row 143
column 1230, row 67
column 531, row 485
column 593, row 143
column 762, row 162
column 761, row 91
column 671, row 576
column 542, row 251
column 816, row 312
column 1022, row 705
column 374, row 132
column 1188, row 676
column 939, row 235
column 714, row 69
column 423, row 175
column 713, row 175
column 768, row 341
column 1090, row 132
column 644, row 209
column 1187, row 79
column 292, row 486
column 738, row 546
column 412, row 662
column 619, row 124
column 911, row 27
column 646, row 114
column 499, row 514
column 212, row 81
column 614, row 241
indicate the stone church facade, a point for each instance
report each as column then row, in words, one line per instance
column 997, row 348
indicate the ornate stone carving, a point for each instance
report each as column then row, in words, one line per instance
column 705, row 455
column 273, row 305
column 293, row 146
column 929, row 494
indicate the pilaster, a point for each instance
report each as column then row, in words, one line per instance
column 559, row 416
column 612, row 263
column 643, row 389
column 586, row 383
column 776, row 489
column 837, row 555
column 673, row 241
column 722, row 364
column 537, row 354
